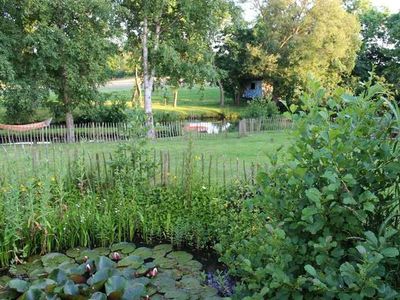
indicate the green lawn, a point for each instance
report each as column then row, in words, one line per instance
column 224, row 152
column 191, row 101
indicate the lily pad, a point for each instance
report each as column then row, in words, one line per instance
column 124, row 247
column 143, row 252
column 98, row 296
column 115, row 285
column 131, row 261
column 21, row 286
column 189, row 282
column 134, row 292
column 180, row 256
column 26, row 268
column 53, row 260
column 103, row 262
column 76, row 252
column 162, row 250
column 177, row 294
column 165, row 263
column 164, row 283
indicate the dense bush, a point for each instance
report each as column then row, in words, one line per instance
column 108, row 108
column 260, row 108
column 326, row 225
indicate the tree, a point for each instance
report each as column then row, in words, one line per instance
column 380, row 49
column 21, row 87
column 66, row 44
column 306, row 37
column 163, row 27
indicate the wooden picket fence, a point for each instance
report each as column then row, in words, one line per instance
column 170, row 167
column 112, row 132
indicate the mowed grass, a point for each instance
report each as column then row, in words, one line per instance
column 191, row 101
column 230, row 150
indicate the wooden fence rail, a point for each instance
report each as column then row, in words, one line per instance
column 97, row 167
column 110, row 132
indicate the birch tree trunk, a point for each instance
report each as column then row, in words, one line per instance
column 175, row 93
column 148, row 83
column 137, row 100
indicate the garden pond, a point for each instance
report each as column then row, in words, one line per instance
column 122, row 271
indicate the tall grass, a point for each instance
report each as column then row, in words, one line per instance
column 96, row 202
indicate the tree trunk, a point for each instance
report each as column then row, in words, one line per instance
column 238, row 95
column 137, row 100
column 69, row 120
column 221, row 93
column 175, row 92
column 148, row 83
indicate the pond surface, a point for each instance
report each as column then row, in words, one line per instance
column 123, row 271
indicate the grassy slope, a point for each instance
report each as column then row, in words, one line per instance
column 191, row 101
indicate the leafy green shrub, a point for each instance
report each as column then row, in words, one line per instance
column 168, row 116
column 326, row 223
column 108, row 108
column 261, row 108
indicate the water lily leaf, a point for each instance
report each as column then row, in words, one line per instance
column 103, row 262
column 177, row 294
column 141, row 280
column 102, row 251
column 208, row 291
column 43, row 284
column 151, row 290
column 98, row 280
column 21, row 286
column 124, row 247
column 134, row 292
column 180, row 256
column 165, row 263
column 192, row 266
column 173, row 273
column 24, row 269
column 131, row 261
column 98, row 296
column 59, row 276
column 34, row 294
column 115, row 284
column 164, row 283
column 52, row 260
column 189, row 282
column 143, row 252
column 162, row 249
column 76, row 252
column 128, row 273
column 70, row 289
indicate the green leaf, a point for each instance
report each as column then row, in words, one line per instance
column 103, row 262
column 98, row 296
column 70, row 288
column 21, row 286
column 314, row 195
column 115, row 284
column 310, row 270
column 349, row 200
column 361, row 249
column 390, row 252
column 371, row 238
